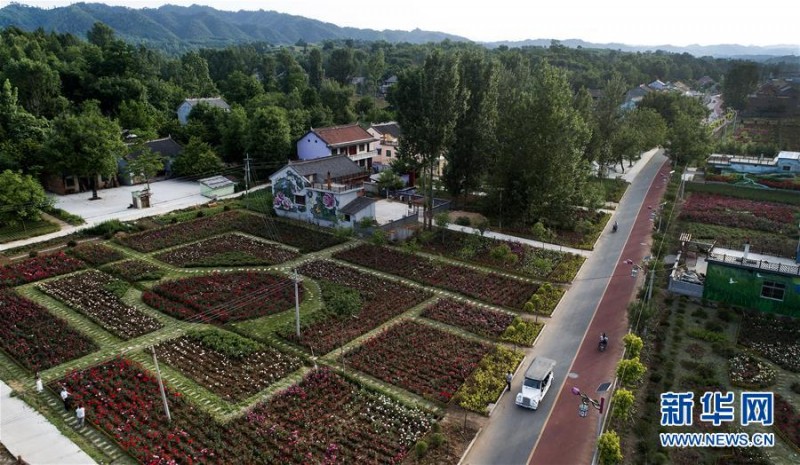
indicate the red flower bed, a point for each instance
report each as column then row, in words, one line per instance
column 304, row 238
column 739, row 213
column 233, row 378
column 36, row 268
column 227, row 250
column 90, row 294
column 96, row 254
column 787, row 420
column 323, row 419
column 36, row 338
column 134, row 270
column 483, row 321
column 381, row 300
column 223, row 297
column 489, row 287
column 425, row 360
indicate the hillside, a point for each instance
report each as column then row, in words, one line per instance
column 175, row 27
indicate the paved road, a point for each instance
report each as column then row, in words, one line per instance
column 512, row 432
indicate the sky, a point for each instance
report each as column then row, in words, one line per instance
column 675, row 22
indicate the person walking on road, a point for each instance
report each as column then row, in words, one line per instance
column 80, row 414
column 509, row 377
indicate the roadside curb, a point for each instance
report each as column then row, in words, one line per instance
column 471, row 443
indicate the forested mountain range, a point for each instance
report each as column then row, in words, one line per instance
column 177, row 29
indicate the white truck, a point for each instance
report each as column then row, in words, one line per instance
column 538, row 378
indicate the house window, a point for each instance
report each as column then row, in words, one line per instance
column 378, row 151
column 360, row 147
column 299, row 199
column 773, row 290
column 389, row 153
column 787, row 168
column 347, row 218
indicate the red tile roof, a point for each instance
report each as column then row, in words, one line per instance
column 336, row 136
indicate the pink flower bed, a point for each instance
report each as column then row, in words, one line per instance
column 89, row 293
column 381, row 300
column 223, row 297
column 740, row 213
column 227, row 250
column 36, row 268
column 425, row 360
column 324, row 419
column 488, row 287
column 34, row 337
column 483, row 321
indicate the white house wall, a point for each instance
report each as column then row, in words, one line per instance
column 311, row 147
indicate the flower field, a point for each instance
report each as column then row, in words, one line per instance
column 223, row 297
column 787, row 421
column 381, row 300
column 425, row 360
column 134, row 270
column 323, row 419
column 95, row 254
column 774, row 338
column 488, row 287
column 749, row 372
column 89, row 293
column 527, row 261
column 36, row 268
column 740, row 213
column 36, row 338
column 227, row 250
column 478, row 320
column 231, row 376
column 303, row 238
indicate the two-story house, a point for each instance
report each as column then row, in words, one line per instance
column 351, row 140
column 189, row 104
column 388, row 136
column 326, row 190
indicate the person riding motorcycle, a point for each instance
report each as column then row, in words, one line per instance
column 603, row 342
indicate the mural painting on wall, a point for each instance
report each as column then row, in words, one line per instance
column 284, row 191
column 324, row 206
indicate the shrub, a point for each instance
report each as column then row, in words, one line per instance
column 108, row 228
column 200, row 214
column 610, row 449
column 33, row 254
column 630, row 371
column 72, row 243
column 421, row 449
column 437, row 439
column 623, row 403
column 463, row 221
column 633, row 345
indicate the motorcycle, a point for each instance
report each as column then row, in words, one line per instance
column 601, row 346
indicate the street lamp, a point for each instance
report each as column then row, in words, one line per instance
column 586, row 401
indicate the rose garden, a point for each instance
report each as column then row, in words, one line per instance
column 214, row 298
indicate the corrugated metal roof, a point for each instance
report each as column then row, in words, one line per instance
column 216, row 182
column 356, row 205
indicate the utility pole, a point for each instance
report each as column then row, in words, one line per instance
column 246, row 173
column 161, row 385
column 296, row 304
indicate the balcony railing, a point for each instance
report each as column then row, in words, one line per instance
column 336, row 187
column 755, row 264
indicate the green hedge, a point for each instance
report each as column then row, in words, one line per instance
column 488, row 381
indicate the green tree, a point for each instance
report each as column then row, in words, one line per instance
column 144, row 163
column 86, row 144
column 740, row 81
column 337, row 98
column 630, row 371
column 140, row 117
column 429, row 101
column 633, row 345
column 268, row 136
column 609, row 448
column 315, row 71
column 197, row 159
column 689, row 140
column 234, row 134
column 389, row 181
column 22, row 134
column 341, row 66
column 21, row 197
column 474, row 132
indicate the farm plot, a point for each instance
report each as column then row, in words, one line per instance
column 91, row 293
column 223, row 297
column 228, row 365
column 740, row 213
column 488, row 287
column 381, row 300
column 483, row 321
column 36, row 268
column 134, row 270
column 95, row 254
column 227, row 250
column 423, row 359
column 34, row 337
column 322, row 419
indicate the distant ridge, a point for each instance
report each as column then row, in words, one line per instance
column 177, row 28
